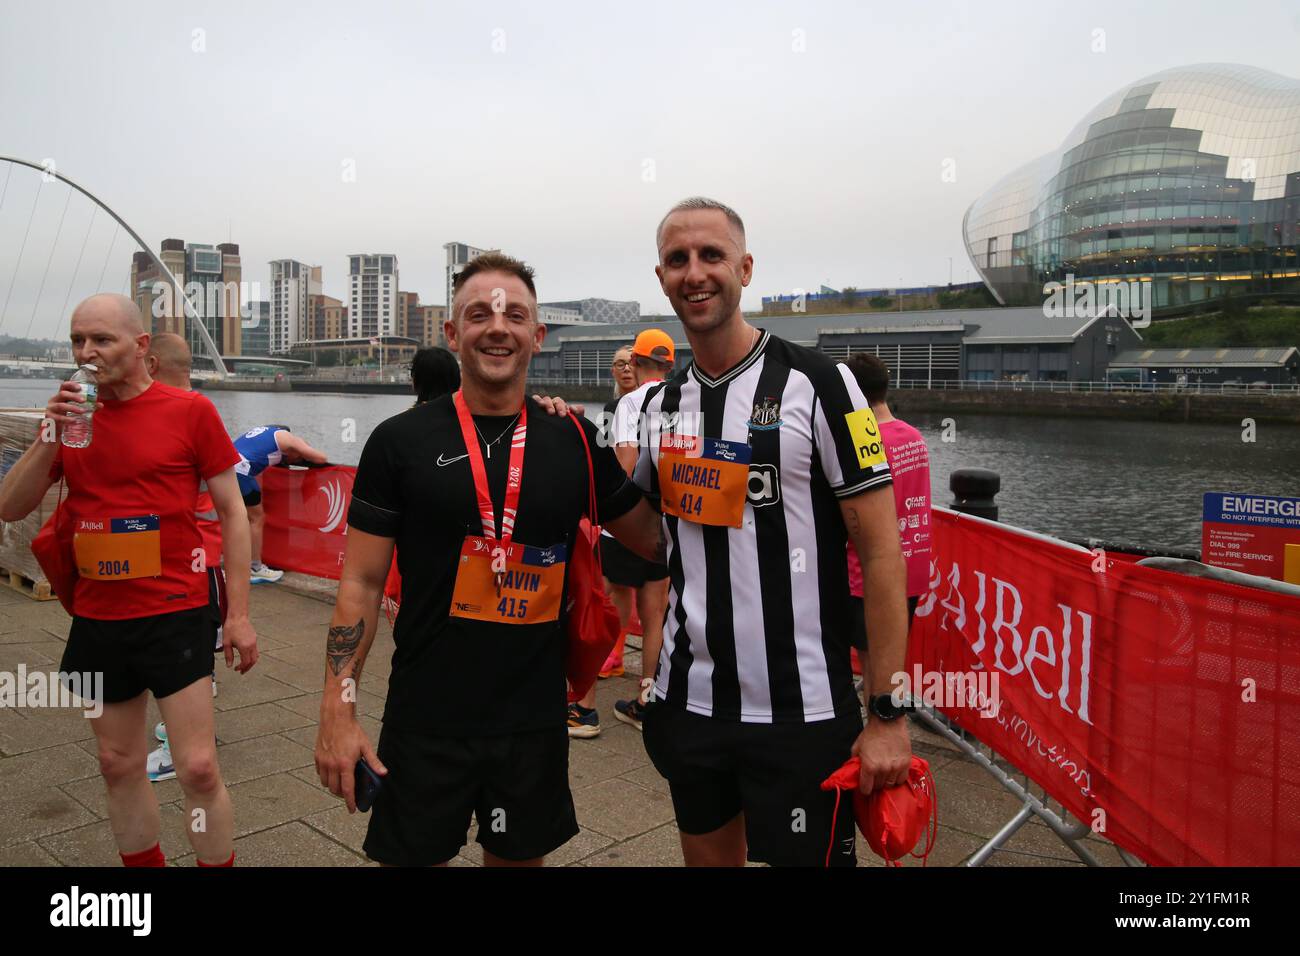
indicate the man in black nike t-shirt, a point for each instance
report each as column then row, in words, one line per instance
column 481, row 493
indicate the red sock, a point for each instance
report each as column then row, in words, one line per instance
column 230, row 862
column 150, row 857
column 618, row 645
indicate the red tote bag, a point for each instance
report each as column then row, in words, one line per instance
column 592, row 618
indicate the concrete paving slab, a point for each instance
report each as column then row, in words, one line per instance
column 260, row 757
column 270, row 801
column 28, row 730
column 306, row 735
column 589, row 763
column 259, row 720
column 293, row 844
column 243, row 690
column 647, row 776
column 658, row 847
column 29, row 816
column 340, row 826
column 26, row 854
column 620, row 809
column 90, row 793
column 94, row 846
column 38, row 655
column 41, row 769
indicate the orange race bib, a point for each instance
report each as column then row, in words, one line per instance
column 519, row 585
column 118, row 549
column 704, row 480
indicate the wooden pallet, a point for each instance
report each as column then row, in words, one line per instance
column 38, row 590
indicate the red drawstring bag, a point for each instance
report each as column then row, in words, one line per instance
column 592, row 618
column 893, row 819
column 392, row 598
column 52, row 549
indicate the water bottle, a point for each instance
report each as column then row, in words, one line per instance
column 76, row 433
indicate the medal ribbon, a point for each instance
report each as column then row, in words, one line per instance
column 514, row 476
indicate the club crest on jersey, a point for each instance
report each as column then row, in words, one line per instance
column 766, row 415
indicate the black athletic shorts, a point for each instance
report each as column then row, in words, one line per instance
column 626, row 567
column 772, row 772
column 516, row 785
column 163, row 653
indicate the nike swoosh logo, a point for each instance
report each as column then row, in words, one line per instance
column 449, row 461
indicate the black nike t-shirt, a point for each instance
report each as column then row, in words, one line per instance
column 452, row 675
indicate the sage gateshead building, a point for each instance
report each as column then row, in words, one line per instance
column 1187, row 182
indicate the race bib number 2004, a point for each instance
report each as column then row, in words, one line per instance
column 118, row 549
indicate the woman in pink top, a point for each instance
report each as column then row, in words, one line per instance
column 909, row 463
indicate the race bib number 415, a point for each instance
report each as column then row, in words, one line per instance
column 508, row 583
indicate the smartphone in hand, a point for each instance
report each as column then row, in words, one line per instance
column 366, row 785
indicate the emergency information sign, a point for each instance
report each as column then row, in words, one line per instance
column 1254, row 534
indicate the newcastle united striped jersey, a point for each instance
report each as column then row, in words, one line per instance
column 758, row 615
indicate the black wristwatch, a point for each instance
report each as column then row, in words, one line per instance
column 884, row 707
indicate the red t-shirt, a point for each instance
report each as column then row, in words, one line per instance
column 146, row 458
column 209, row 528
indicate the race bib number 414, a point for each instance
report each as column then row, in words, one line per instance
column 703, row 479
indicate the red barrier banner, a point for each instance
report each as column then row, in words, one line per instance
column 1162, row 710
column 306, row 518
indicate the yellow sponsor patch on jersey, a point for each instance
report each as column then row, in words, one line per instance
column 866, row 438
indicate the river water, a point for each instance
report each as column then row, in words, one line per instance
column 1137, row 482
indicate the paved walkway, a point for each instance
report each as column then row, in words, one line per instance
column 53, row 811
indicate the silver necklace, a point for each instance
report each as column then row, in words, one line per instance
column 489, row 444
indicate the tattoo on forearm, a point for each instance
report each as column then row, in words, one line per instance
column 855, row 526
column 342, row 645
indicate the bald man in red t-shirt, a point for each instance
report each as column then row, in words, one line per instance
column 140, row 615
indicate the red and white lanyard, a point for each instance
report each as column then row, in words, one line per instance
column 514, row 474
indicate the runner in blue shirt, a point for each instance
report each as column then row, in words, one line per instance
column 259, row 448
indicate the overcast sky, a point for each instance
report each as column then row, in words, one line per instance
column 559, row 132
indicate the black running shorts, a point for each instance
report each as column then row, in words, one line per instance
column 163, row 653
column 626, row 567
column 772, row 772
column 516, row 785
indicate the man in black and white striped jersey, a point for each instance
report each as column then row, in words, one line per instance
column 763, row 455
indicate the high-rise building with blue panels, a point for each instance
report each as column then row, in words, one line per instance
column 1187, row 181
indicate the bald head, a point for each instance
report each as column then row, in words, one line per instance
column 110, row 307
column 108, row 333
column 169, row 360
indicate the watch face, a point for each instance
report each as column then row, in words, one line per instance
column 883, row 706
